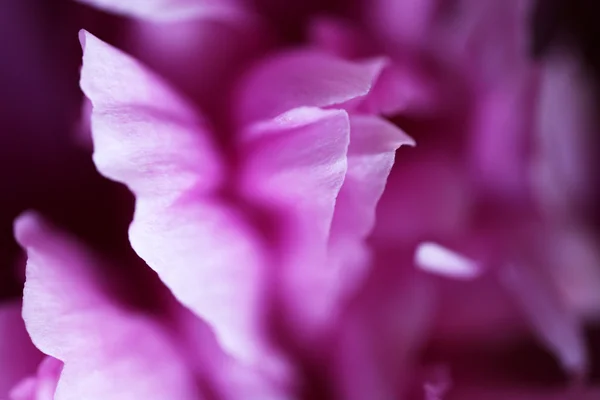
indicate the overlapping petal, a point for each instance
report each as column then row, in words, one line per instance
column 295, row 165
column 371, row 154
column 201, row 247
column 108, row 351
column 42, row 386
column 323, row 172
column 562, row 162
column 302, row 78
column 556, row 326
column 18, row 356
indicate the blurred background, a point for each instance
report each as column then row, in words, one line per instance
column 43, row 163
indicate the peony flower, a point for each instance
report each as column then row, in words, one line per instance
column 257, row 173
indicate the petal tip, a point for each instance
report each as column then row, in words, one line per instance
column 83, row 38
column 27, row 227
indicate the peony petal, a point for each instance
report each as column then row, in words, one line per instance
column 382, row 330
column 371, row 156
column 296, row 164
column 43, row 385
column 18, row 356
column 340, row 37
column 554, row 323
column 500, row 137
column 303, row 79
column 373, row 145
column 109, row 353
column 166, row 10
column 408, row 22
column 562, row 173
column 119, row 78
column 400, row 87
column 200, row 246
column 410, row 210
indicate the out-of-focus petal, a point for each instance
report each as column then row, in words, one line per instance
column 574, row 257
column 295, row 165
column 201, row 247
column 400, row 87
column 410, row 209
column 564, row 130
column 162, row 10
column 304, row 78
column 554, row 323
column 501, row 136
column 42, row 386
column 18, row 356
column 377, row 340
column 109, row 353
column 407, row 22
column 340, row 37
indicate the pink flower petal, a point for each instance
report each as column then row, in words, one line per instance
column 500, row 137
column 562, row 173
column 376, row 342
column 201, row 247
column 407, row 22
column 163, row 10
column 340, row 37
column 373, row 145
column 109, row 353
column 401, row 86
column 18, row 356
column 296, row 164
column 325, row 192
column 410, row 210
column 553, row 322
column 303, row 79
column 43, row 385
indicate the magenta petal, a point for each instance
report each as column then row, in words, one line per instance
column 373, row 144
column 109, row 76
column 201, row 247
column 18, row 356
column 303, row 79
column 502, row 122
column 296, row 164
column 556, row 325
column 164, row 10
column 407, row 22
column 563, row 170
column 375, row 347
column 109, row 353
column 43, row 385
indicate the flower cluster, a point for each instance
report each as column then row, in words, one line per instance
column 335, row 204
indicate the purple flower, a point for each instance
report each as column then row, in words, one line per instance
column 258, row 166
